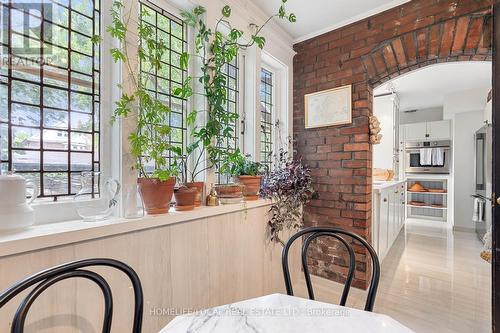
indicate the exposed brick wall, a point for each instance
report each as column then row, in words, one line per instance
column 365, row 54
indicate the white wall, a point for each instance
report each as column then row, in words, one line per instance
column 422, row 115
column 465, row 125
column 466, row 101
column 487, row 114
column 383, row 109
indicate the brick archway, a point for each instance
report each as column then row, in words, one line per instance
column 364, row 55
column 465, row 38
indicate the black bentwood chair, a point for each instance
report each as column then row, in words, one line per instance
column 315, row 232
column 48, row 277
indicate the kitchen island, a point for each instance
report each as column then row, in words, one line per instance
column 388, row 214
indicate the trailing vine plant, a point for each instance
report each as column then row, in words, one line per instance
column 215, row 49
column 149, row 140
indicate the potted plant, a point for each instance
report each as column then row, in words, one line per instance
column 184, row 198
column 191, row 192
column 215, row 48
column 247, row 173
column 149, row 139
column 229, row 193
column 289, row 185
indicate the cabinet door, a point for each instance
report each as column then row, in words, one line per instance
column 414, row 132
column 393, row 215
column 402, row 203
column 439, row 130
column 383, row 224
column 375, row 220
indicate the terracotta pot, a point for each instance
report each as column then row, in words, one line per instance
column 156, row 194
column 230, row 190
column 200, row 189
column 252, row 186
column 184, row 198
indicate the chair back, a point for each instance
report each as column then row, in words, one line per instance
column 313, row 233
column 44, row 279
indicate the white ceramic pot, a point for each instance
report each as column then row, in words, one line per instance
column 15, row 210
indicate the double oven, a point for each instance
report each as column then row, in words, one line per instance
column 433, row 157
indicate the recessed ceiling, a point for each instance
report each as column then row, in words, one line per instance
column 434, row 86
column 315, row 17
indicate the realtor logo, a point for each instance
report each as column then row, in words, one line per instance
column 24, row 21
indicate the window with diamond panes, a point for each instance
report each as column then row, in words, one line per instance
column 49, row 92
column 230, row 143
column 266, row 117
column 160, row 83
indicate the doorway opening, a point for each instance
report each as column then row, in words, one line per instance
column 432, row 173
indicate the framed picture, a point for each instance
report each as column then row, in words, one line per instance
column 329, row 107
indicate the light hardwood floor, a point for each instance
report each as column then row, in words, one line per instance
column 433, row 280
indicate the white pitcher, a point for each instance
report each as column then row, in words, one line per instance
column 15, row 210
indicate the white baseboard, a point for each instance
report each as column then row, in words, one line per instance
column 463, row 229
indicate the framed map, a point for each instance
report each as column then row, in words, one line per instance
column 329, row 107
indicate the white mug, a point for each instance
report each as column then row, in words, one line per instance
column 15, row 209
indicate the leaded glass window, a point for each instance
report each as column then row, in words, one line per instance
column 49, row 92
column 160, row 83
column 266, row 117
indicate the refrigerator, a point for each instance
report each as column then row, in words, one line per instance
column 483, row 177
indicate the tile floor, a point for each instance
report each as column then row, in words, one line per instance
column 432, row 280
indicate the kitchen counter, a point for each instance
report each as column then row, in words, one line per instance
column 424, row 176
column 379, row 185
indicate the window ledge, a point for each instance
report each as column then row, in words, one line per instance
column 55, row 234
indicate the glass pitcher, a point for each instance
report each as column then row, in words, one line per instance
column 96, row 200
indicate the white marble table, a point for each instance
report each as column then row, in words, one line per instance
column 282, row 313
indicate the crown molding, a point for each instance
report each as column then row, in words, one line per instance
column 351, row 20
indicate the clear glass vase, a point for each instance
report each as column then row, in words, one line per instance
column 133, row 207
column 96, row 198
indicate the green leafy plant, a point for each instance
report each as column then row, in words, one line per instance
column 149, row 141
column 242, row 165
column 215, row 49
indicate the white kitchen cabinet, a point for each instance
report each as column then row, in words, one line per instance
column 388, row 216
column 391, row 229
column 414, row 132
column 428, row 131
column 402, row 199
column 383, row 224
column 439, row 130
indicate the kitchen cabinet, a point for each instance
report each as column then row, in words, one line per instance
column 428, row 131
column 414, row 132
column 439, row 130
column 388, row 216
column 383, row 224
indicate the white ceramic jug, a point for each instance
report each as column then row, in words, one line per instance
column 15, row 210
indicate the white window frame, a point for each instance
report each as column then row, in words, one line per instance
column 274, row 108
column 280, row 101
